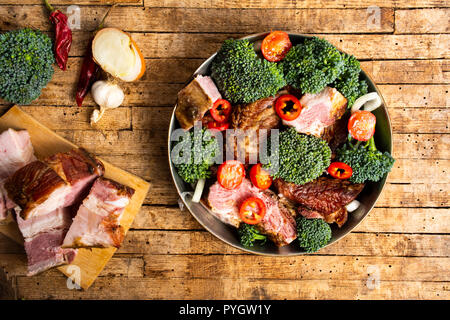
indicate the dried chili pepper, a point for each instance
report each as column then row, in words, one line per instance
column 89, row 68
column 63, row 36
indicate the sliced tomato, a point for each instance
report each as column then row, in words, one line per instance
column 340, row 170
column 288, row 107
column 252, row 210
column 221, row 110
column 231, row 174
column 260, row 177
column 218, row 125
column 275, row 46
column 361, row 125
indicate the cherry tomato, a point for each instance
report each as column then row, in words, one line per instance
column 288, row 107
column 275, row 46
column 340, row 170
column 230, row 174
column 260, row 177
column 221, row 110
column 252, row 210
column 361, row 125
column 218, row 125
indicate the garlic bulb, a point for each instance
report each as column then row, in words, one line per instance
column 107, row 95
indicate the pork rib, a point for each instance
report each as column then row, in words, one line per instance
column 97, row 223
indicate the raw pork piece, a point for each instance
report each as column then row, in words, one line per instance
column 16, row 151
column 277, row 223
column 57, row 182
column 44, row 251
column 58, row 219
column 44, row 235
column 225, row 203
column 195, row 100
column 97, row 223
column 319, row 111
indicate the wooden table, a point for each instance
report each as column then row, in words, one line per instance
column 400, row 251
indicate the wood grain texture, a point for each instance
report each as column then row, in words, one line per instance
column 167, row 254
column 223, row 288
column 215, row 20
column 422, row 21
column 263, row 4
column 202, row 45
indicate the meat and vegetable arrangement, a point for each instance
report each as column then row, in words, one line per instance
column 60, row 203
column 63, row 202
column 313, row 100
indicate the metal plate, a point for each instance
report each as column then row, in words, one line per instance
column 228, row 234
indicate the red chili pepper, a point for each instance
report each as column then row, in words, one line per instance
column 88, row 72
column 89, row 68
column 288, row 107
column 63, row 36
column 340, row 170
column 221, row 110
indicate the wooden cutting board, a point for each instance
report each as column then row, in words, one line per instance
column 45, row 142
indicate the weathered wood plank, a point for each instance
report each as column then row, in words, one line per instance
column 165, row 94
column 408, row 72
column 168, row 242
column 406, row 220
column 415, row 120
column 415, row 96
column 404, row 120
column 296, row 268
column 422, row 21
column 221, row 288
column 56, row 3
column 264, row 4
column 367, row 46
column 119, row 265
column 217, row 20
column 254, row 4
column 354, row 244
column 406, row 146
column 74, row 118
column 147, row 167
column 164, row 78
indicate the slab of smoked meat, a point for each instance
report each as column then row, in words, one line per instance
column 97, row 223
column 57, row 182
column 326, row 195
column 16, row 151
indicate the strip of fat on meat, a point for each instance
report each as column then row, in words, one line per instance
column 277, row 223
column 56, row 182
column 97, row 223
column 16, row 151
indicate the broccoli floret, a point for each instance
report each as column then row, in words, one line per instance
column 196, row 151
column 348, row 82
column 26, row 59
column 243, row 77
column 312, row 65
column 313, row 234
column 367, row 162
column 302, row 158
column 249, row 234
